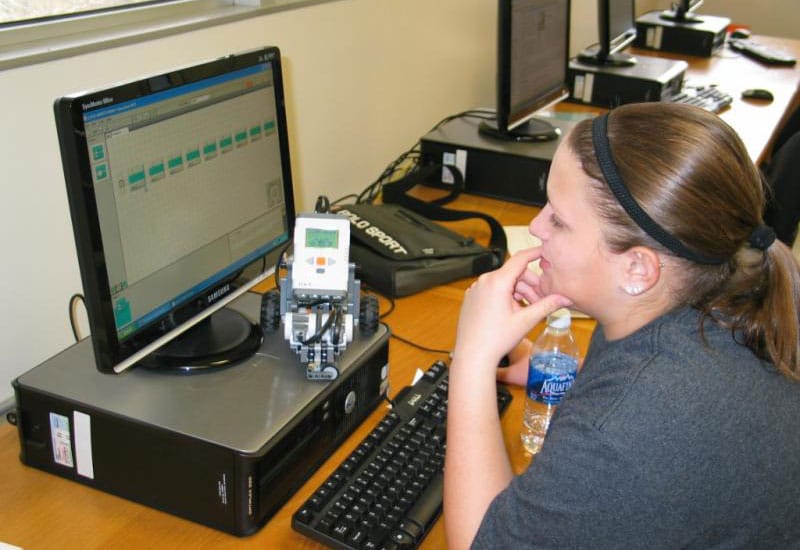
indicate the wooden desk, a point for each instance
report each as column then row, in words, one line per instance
column 40, row 510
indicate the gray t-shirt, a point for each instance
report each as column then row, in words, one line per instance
column 662, row 442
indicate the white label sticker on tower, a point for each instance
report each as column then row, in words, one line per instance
column 588, row 88
column 83, row 444
column 577, row 88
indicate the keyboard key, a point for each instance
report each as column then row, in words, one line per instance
column 403, row 539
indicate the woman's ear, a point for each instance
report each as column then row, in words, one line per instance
column 641, row 269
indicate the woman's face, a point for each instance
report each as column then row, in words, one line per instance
column 575, row 261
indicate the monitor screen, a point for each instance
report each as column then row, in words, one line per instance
column 616, row 29
column 180, row 193
column 532, row 57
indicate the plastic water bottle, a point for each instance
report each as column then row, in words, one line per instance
column 551, row 372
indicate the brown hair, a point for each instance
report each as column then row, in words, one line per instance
column 691, row 173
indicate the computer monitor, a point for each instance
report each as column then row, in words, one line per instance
column 532, row 58
column 180, row 194
column 616, row 28
column 681, row 12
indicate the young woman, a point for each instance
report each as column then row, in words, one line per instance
column 681, row 430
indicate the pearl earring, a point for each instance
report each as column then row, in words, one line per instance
column 633, row 290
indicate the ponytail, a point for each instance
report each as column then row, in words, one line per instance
column 759, row 302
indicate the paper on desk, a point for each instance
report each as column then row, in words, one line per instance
column 519, row 238
column 6, row 546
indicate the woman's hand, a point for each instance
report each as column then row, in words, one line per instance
column 492, row 321
column 516, row 372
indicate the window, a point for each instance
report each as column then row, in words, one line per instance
column 32, row 32
column 15, row 11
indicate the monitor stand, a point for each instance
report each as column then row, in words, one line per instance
column 534, row 129
column 680, row 18
column 592, row 56
column 219, row 341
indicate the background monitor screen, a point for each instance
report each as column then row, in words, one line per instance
column 532, row 57
column 616, row 29
column 180, row 193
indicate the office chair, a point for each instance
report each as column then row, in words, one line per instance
column 782, row 173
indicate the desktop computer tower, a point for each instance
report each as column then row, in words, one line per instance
column 225, row 448
column 701, row 38
column 505, row 170
column 650, row 79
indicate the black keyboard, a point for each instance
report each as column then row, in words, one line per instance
column 388, row 492
column 760, row 52
column 709, row 98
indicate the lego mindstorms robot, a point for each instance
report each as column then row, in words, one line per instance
column 319, row 301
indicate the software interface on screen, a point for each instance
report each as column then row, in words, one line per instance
column 189, row 189
column 538, row 49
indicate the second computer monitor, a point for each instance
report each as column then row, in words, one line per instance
column 532, row 57
column 616, row 29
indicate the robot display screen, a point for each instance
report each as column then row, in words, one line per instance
column 322, row 238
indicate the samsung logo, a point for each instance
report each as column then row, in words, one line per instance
column 97, row 103
column 217, row 294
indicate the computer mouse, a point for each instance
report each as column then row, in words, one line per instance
column 757, row 93
column 741, row 33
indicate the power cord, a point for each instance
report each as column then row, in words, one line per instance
column 419, row 346
column 388, row 399
column 280, row 262
column 334, row 314
column 411, row 156
column 400, row 338
column 323, row 205
column 72, row 312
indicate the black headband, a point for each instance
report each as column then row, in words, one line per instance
column 602, row 150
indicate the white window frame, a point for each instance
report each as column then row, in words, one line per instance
column 34, row 42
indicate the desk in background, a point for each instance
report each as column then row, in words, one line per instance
column 40, row 510
column 755, row 121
